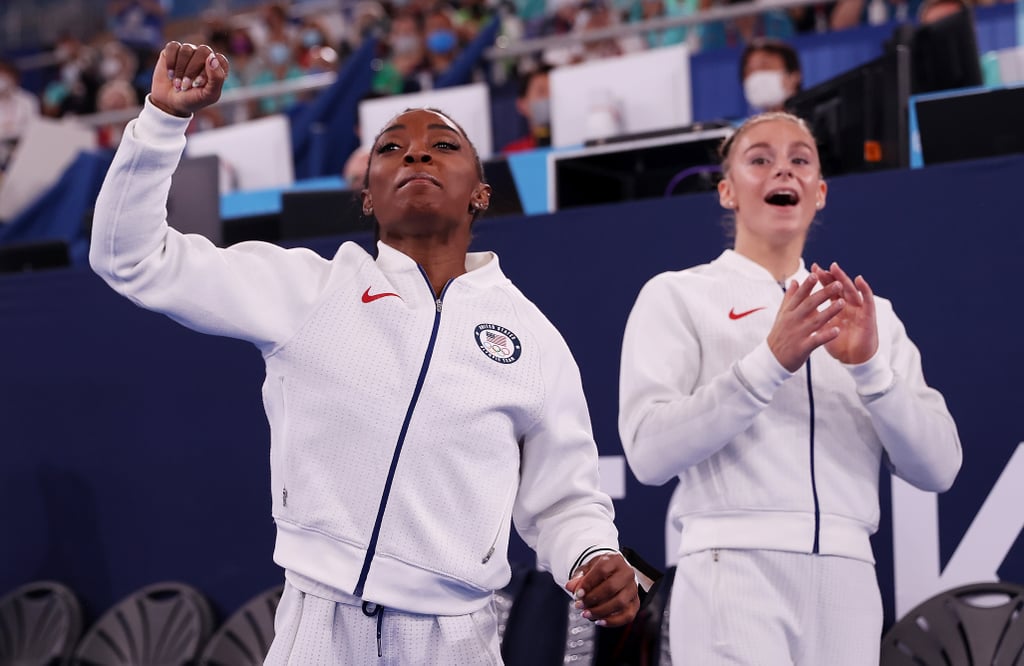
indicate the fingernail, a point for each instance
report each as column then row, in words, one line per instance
column 186, row 83
column 198, row 82
column 170, row 74
column 586, row 614
column 214, row 61
column 601, row 623
column 177, row 84
column 578, row 604
column 580, row 593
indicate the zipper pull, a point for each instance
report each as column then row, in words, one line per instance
column 437, row 305
column 487, row 557
column 284, row 497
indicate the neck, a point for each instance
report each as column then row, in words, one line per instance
column 441, row 259
column 780, row 260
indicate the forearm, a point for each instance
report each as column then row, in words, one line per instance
column 912, row 422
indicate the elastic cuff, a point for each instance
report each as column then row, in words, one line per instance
column 873, row 377
column 156, row 125
column 761, row 373
column 589, row 554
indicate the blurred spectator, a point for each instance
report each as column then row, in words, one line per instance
column 534, row 104
column 312, row 37
column 74, row 92
column 115, row 95
column 242, row 54
column 931, row 11
column 119, row 63
column 279, row 66
column 563, row 17
column 775, row 24
column 770, row 73
column 274, row 33
column 470, row 17
column 401, row 72
column 442, row 43
column 647, row 10
column 837, row 15
column 600, row 16
column 139, row 25
column 17, row 108
column 368, row 17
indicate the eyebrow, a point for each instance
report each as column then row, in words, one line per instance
column 432, row 126
column 764, row 144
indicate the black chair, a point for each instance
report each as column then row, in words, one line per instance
column 39, row 624
column 244, row 639
column 165, row 624
column 961, row 627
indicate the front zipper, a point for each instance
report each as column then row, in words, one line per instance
column 814, row 482
column 371, row 549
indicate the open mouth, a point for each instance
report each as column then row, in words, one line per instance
column 783, row 197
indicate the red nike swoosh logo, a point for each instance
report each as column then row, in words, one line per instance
column 740, row 315
column 369, row 298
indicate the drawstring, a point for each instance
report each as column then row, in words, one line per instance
column 369, row 610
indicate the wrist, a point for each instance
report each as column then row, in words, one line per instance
column 167, row 109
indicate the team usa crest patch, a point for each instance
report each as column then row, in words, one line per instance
column 499, row 343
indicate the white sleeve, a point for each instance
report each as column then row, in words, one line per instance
column 560, row 510
column 253, row 291
column 910, row 418
column 666, row 422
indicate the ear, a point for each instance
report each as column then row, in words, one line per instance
column 481, row 197
column 725, row 194
column 367, row 203
column 822, row 192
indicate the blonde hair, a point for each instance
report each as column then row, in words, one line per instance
column 725, row 149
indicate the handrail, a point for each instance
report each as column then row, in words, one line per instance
column 228, row 98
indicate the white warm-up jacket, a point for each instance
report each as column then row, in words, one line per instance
column 767, row 458
column 407, row 431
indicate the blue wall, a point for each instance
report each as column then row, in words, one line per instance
column 135, row 450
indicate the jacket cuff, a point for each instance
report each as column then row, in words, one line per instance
column 156, row 126
column 873, row 377
column 761, row 373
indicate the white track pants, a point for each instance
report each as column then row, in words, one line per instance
column 314, row 631
column 773, row 608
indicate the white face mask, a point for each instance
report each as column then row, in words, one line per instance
column 765, row 89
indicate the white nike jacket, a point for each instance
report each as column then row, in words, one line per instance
column 406, row 430
column 769, row 459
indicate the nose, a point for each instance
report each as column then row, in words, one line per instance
column 414, row 155
column 784, row 170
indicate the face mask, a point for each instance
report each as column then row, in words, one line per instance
column 765, row 89
column 540, row 111
column 69, row 74
column 405, row 44
column 279, row 54
column 6, row 84
column 311, row 38
column 109, row 68
column 441, row 41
